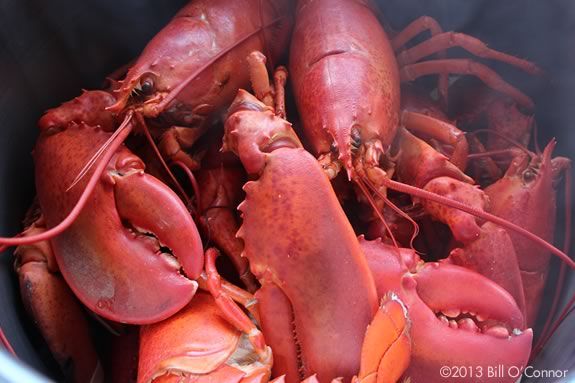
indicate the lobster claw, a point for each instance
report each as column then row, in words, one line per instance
column 137, row 195
column 463, row 310
column 116, row 255
column 458, row 317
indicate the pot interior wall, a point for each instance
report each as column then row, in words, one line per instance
column 51, row 50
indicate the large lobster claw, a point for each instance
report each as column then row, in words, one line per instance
column 459, row 317
column 122, row 255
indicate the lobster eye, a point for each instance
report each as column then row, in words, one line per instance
column 529, row 175
column 148, row 86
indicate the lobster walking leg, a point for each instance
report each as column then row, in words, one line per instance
column 220, row 182
column 231, row 310
column 442, row 41
column 415, row 28
column 467, row 67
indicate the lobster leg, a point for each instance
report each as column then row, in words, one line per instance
column 231, row 310
column 441, row 130
column 415, row 28
column 465, row 67
column 242, row 297
column 259, row 78
column 450, row 307
column 176, row 140
column 296, row 259
column 218, row 198
column 463, row 225
column 446, row 40
column 483, row 164
column 485, row 249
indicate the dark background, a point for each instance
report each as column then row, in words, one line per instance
column 49, row 50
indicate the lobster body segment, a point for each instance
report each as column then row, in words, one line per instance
column 198, row 344
column 316, row 264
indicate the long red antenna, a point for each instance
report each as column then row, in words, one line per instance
column 94, row 179
column 404, row 188
column 5, row 343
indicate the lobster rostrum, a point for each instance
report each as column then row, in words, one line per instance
column 142, row 222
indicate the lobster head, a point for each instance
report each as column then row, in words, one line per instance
column 526, row 195
column 459, row 317
column 128, row 252
column 193, row 67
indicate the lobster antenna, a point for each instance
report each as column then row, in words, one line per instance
column 490, row 153
column 161, row 158
column 99, row 152
column 564, row 314
column 6, row 343
column 361, row 183
column 400, row 212
column 562, row 271
column 163, row 104
column 503, row 137
column 535, row 139
column 404, row 188
column 193, row 182
column 124, row 130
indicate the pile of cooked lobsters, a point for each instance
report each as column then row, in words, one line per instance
column 377, row 229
